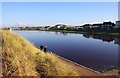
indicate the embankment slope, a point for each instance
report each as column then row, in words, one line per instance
column 21, row 58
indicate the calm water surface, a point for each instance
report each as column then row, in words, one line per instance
column 95, row 51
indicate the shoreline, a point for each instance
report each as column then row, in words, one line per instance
column 80, row 67
column 107, row 32
column 76, row 65
column 82, row 70
column 63, row 65
column 85, row 32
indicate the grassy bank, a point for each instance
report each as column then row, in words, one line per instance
column 21, row 58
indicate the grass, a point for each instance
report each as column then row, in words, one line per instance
column 21, row 58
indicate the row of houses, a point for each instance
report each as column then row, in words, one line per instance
column 31, row 28
column 104, row 25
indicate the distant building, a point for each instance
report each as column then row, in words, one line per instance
column 107, row 25
column 117, row 24
column 104, row 25
column 47, row 27
column 78, row 27
column 44, row 28
column 60, row 26
column 87, row 26
column 96, row 26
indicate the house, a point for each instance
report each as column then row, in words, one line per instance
column 47, row 27
column 108, row 25
column 60, row 26
column 87, row 26
column 78, row 27
column 117, row 24
column 96, row 26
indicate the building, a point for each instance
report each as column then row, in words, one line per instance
column 60, row 26
column 47, row 27
column 44, row 28
column 108, row 25
column 78, row 27
column 96, row 26
column 117, row 24
column 87, row 26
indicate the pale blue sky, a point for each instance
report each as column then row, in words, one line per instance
column 0, row 13
column 51, row 13
column 119, row 11
column 59, row 0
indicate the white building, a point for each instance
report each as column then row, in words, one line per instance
column 60, row 26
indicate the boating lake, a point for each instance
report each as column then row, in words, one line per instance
column 98, row 52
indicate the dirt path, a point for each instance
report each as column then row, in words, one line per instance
column 82, row 70
column 112, row 72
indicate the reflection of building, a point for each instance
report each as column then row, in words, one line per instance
column 117, row 41
column 64, row 33
column 117, row 24
column 58, row 33
column 107, row 38
column 86, row 35
column 61, row 33
column 100, row 37
column 95, row 36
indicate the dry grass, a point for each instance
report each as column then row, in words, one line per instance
column 21, row 58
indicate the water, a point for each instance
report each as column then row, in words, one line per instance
column 94, row 51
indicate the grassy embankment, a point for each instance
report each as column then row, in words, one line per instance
column 21, row 58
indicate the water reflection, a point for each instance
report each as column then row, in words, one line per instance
column 104, row 38
column 61, row 33
column 85, row 49
column 117, row 41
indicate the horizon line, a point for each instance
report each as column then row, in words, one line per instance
column 30, row 25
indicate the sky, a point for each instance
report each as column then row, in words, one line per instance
column 0, row 14
column 59, row 0
column 119, row 11
column 51, row 13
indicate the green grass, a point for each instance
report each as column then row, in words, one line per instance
column 21, row 58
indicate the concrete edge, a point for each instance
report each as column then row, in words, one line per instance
column 76, row 63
